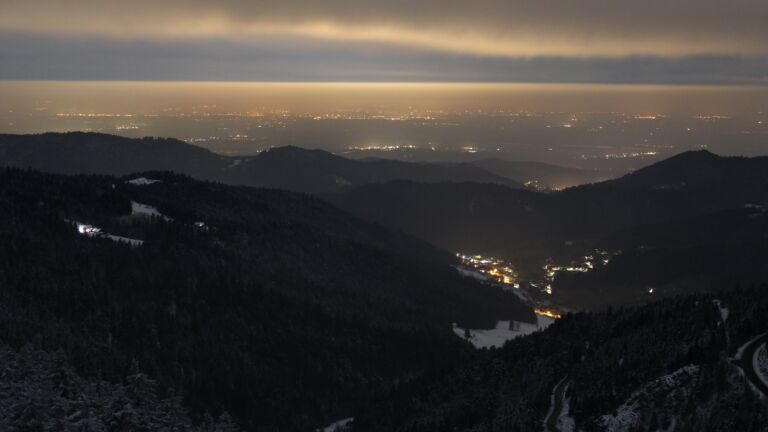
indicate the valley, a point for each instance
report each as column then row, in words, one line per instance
column 610, row 285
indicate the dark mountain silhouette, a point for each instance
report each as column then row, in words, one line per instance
column 318, row 171
column 696, row 169
column 290, row 168
column 92, row 153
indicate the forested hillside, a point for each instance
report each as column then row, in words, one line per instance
column 40, row 391
column 272, row 306
column 665, row 366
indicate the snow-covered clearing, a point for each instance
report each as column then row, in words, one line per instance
column 142, row 181
column 138, row 209
column 504, row 331
column 628, row 414
column 338, row 426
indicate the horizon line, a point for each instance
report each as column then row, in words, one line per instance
column 404, row 83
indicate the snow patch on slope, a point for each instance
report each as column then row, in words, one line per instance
column 138, row 209
column 142, row 181
column 338, row 426
column 473, row 274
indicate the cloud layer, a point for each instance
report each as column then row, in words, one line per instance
column 641, row 41
column 296, row 59
column 501, row 28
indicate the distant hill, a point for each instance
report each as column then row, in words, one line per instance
column 697, row 170
column 542, row 175
column 318, row 171
column 291, row 168
column 92, row 153
column 262, row 303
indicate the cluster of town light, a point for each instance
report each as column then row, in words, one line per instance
column 495, row 268
column 588, row 264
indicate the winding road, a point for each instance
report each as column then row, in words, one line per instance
column 556, row 406
column 747, row 365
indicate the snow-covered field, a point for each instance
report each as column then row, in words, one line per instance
column 504, row 331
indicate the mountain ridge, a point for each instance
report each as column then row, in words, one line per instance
column 290, row 167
